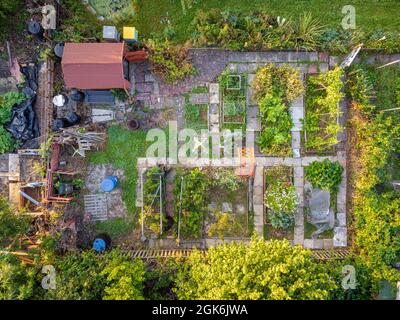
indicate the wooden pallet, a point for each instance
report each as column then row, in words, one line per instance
column 334, row 254
column 96, row 206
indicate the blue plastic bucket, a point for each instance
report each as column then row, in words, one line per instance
column 99, row 245
column 109, row 183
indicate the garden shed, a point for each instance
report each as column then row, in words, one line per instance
column 95, row 66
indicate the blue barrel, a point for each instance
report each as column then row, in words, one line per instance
column 99, row 245
column 109, row 183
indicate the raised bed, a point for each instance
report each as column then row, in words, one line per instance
column 271, row 175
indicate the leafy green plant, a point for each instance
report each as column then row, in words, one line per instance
column 170, row 62
column 287, row 272
column 307, row 32
column 233, row 88
column 225, row 178
column 282, row 81
column 7, row 101
column 276, row 123
column 192, row 206
column 120, row 94
column 324, row 174
column 151, row 220
column 322, row 110
column 225, row 224
column 282, row 200
column 359, row 86
column 13, row 222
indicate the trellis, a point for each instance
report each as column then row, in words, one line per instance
column 158, row 195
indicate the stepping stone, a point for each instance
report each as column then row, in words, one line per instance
column 313, row 68
column 341, row 218
column 328, row 243
column 340, row 237
column 323, row 57
column 323, row 67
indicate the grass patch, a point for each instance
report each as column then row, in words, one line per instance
column 196, row 116
column 200, row 89
column 371, row 15
column 116, row 227
column 122, row 150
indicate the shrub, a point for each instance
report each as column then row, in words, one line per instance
column 359, row 86
column 192, row 206
column 169, row 62
column 272, row 270
column 225, row 225
column 13, row 223
column 282, row 200
column 325, row 175
column 80, row 24
column 254, row 31
column 322, row 110
column 307, row 32
column 282, row 81
column 7, row 102
column 225, row 178
column 276, row 122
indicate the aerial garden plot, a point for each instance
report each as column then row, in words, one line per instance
column 166, row 150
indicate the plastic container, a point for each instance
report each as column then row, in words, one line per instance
column 35, row 28
column 101, row 242
column 59, row 49
column 99, row 245
column 109, row 183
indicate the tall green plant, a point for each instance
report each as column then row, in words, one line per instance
column 324, row 174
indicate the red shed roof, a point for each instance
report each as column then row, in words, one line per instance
column 94, row 65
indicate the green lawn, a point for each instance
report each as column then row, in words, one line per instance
column 122, row 150
column 370, row 15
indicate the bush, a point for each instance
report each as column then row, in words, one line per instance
column 254, row 31
column 170, row 62
column 322, row 110
column 282, row 200
column 276, row 125
column 307, row 32
column 195, row 186
column 325, row 175
column 13, row 223
column 80, row 24
column 7, row 102
column 273, row 270
column 281, row 81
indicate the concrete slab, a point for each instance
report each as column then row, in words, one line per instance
column 340, row 237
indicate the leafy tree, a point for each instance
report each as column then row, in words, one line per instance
column 17, row 281
column 365, row 286
column 78, row 278
column 13, row 222
column 91, row 276
column 261, row 270
column 124, row 277
column 324, row 174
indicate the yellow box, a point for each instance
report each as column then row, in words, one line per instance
column 129, row 33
